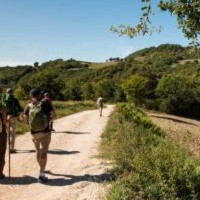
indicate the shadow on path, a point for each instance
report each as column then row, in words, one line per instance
column 62, row 152
column 55, row 151
column 71, row 132
column 24, row 180
column 71, row 179
column 63, row 179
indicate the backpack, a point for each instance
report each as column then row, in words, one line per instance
column 100, row 102
column 10, row 104
column 37, row 119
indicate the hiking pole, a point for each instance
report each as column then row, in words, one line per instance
column 9, row 148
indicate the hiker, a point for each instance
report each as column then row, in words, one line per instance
column 41, row 135
column 100, row 105
column 14, row 109
column 3, row 137
column 49, row 110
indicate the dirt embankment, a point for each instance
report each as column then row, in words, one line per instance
column 182, row 130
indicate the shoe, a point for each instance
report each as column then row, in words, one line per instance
column 42, row 179
column 2, row 176
column 52, row 129
column 13, row 151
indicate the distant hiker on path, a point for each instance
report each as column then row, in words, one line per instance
column 39, row 128
column 3, row 137
column 49, row 110
column 100, row 105
column 14, row 109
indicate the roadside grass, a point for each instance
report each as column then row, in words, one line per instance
column 147, row 165
column 62, row 108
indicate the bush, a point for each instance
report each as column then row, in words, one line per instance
column 136, row 89
column 179, row 95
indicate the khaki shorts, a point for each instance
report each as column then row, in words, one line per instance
column 41, row 141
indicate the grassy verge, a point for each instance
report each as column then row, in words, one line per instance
column 146, row 164
column 62, row 109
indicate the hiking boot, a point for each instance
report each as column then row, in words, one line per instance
column 42, row 179
column 13, row 151
column 2, row 176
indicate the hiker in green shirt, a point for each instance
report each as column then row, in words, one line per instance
column 13, row 108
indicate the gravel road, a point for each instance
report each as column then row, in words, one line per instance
column 73, row 168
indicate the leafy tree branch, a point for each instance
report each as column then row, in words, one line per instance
column 187, row 13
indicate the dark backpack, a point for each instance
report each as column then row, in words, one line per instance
column 37, row 119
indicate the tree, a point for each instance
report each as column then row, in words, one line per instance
column 36, row 64
column 179, row 94
column 136, row 89
column 105, row 88
column 187, row 13
column 87, row 91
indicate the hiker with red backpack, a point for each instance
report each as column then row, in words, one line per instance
column 35, row 116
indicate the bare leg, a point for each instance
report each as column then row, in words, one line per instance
column 100, row 110
column 12, row 132
column 42, row 160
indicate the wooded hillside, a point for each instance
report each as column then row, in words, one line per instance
column 162, row 78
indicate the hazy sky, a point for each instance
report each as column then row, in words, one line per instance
column 43, row 30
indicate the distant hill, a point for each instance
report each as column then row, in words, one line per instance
column 79, row 80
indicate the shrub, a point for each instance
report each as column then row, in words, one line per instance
column 179, row 95
column 136, row 88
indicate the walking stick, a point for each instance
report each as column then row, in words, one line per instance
column 9, row 148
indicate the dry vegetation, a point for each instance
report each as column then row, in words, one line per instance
column 183, row 131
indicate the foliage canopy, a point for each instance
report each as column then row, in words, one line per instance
column 160, row 78
column 187, row 13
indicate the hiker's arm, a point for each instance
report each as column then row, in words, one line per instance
column 25, row 119
column 53, row 111
column 26, row 114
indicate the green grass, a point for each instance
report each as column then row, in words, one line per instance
column 146, row 164
column 62, row 108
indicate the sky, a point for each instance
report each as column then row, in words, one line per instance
column 43, row 30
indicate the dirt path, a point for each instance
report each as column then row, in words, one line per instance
column 183, row 131
column 74, row 171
